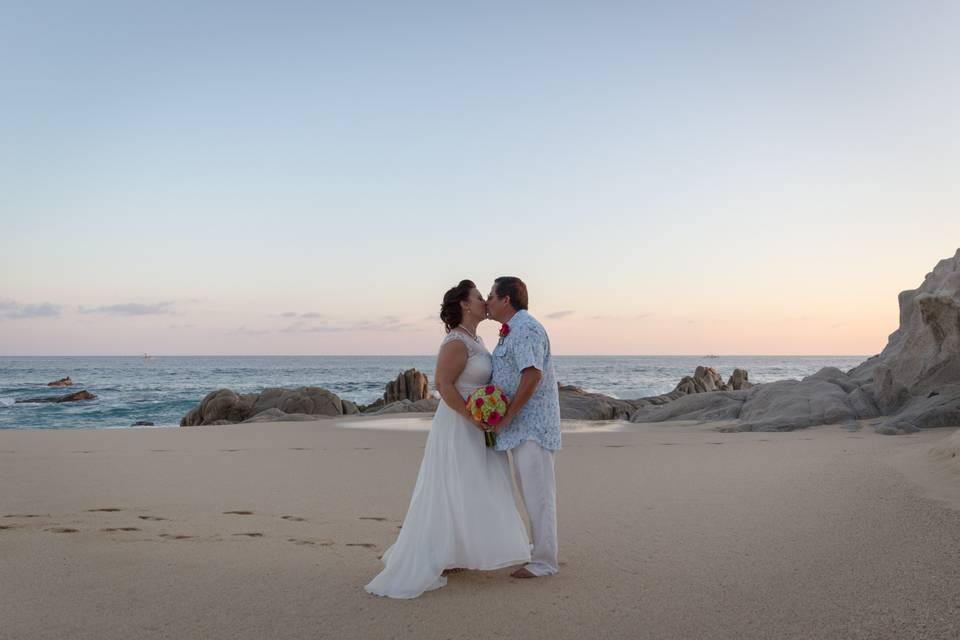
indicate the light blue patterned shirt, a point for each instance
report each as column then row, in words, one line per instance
column 527, row 345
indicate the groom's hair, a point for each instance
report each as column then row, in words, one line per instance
column 513, row 287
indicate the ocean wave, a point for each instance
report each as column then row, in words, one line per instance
column 7, row 402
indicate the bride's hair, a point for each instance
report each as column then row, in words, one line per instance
column 450, row 311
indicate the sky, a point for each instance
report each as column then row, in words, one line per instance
column 309, row 178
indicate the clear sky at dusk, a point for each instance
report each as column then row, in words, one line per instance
column 308, row 177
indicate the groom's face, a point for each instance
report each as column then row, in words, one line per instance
column 496, row 305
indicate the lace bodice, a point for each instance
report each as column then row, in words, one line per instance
column 479, row 365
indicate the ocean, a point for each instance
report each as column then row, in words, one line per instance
column 161, row 389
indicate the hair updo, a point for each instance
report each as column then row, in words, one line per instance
column 450, row 311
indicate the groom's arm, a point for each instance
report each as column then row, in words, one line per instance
column 529, row 380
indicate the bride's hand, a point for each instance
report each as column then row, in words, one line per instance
column 479, row 424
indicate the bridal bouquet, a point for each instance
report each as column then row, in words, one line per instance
column 488, row 404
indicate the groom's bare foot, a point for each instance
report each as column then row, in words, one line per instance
column 522, row 572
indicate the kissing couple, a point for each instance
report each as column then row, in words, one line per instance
column 462, row 514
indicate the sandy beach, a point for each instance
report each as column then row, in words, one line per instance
column 667, row 531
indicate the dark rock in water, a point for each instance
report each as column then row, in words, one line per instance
column 142, row 423
column 62, row 382
column 71, row 397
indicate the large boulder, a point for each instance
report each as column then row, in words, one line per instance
column 718, row 405
column 577, row 404
column 62, row 382
column 224, row 406
column 739, row 379
column 424, row 405
column 410, row 385
column 915, row 380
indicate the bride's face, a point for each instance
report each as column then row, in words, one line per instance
column 474, row 306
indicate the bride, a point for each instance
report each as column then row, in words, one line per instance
column 462, row 514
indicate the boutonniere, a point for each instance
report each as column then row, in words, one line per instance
column 504, row 332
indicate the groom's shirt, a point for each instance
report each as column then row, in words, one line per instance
column 527, row 345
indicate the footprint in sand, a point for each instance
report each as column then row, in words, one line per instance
column 120, row 529
column 151, row 518
column 106, row 509
column 714, row 443
column 7, row 526
column 615, row 446
column 363, row 448
column 27, row 515
column 252, row 534
column 365, row 545
column 84, row 451
column 377, row 518
column 238, row 513
column 175, row 536
column 294, row 518
column 63, row 530
column 301, row 449
column 313, row 543
column 232, row 450
column 159, row 450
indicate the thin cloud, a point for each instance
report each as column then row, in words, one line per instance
column 307, row 315
column 556, row 315
column 134, row 309
column 387, row 323
column 13, row 310
column 243, row 331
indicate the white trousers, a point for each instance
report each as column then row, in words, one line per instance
column 538, row 486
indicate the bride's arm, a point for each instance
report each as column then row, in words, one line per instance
column 451, row 362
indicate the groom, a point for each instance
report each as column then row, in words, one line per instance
column 523, row 368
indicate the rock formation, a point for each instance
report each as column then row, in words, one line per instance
column 224, row 406
column 62, row 382
column 913, row 383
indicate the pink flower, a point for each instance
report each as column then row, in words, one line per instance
column 479, row 402
column 504, row 330
column 490, row 388
column 494, row 418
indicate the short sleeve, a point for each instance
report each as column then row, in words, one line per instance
column 530, row 349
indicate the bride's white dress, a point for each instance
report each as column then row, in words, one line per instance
column 462, row 512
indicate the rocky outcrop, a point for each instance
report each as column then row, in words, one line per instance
column 704, row 379
column 913, row 383
column 410, row 385
column 70, row 397
column 577, row 404
column 424, row 405
column 62, row 382
column 739, row 380
column 224, row 406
